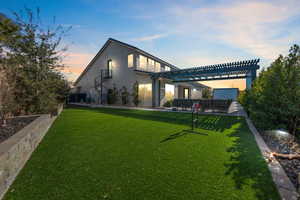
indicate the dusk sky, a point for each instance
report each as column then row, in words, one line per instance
column 185, row 33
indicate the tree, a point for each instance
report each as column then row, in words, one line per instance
column 206, row 93
column 7, row 101
column 34, row 56
column 274, row 100
column 135, row 94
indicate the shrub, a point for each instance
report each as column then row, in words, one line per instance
column 135, row 94
column 273, row 101
column 168, row 103
column 112, row 95
column 124, row 95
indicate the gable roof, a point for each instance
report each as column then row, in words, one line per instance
column 126, row 45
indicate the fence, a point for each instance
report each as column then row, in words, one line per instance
column 219, row 105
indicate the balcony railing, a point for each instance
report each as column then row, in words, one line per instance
column 106, row 73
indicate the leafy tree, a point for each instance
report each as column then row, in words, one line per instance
column 206, row 93
column 33, row 57
column 274, row 100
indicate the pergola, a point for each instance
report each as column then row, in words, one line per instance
column 234, row 70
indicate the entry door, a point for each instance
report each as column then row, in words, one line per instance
column 186, row 93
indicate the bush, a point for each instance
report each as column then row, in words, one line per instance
column 112, row 95
column 124, row 95
column 135, row 94
column 274, row 100
column 168, row 103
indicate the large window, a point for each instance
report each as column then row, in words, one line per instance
column 143, row 63
column 145, row 94
column 169, row 91
column 130, row 60
column 167, row 68
column 150, row 65
column 157, row 67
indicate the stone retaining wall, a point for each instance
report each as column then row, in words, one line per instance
column 16, row 150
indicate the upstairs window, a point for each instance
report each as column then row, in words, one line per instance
column 167, row 68
column 143, row 63
column 157, row 67
column 130, row 60
column 109, row 65
column 150, row 65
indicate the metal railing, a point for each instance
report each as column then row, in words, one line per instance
column 107, row 73
column 206, row 104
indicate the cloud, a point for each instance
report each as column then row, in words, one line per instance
column 258, row 27
column 75, row 63
column 149, row 37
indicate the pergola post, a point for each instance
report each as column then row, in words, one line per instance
column 251, row 76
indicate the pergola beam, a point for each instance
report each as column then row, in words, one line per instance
column 225, row 71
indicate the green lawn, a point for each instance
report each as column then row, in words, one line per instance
column 129, row 154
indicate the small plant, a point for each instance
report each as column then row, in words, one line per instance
column 124, row 95
column 112, row 95
column 135, row 94
column 168, row 103
column 206, row 93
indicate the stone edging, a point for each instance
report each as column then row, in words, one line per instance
column 16, row 150
column 285, row 187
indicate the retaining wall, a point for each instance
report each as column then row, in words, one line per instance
column 16, row 150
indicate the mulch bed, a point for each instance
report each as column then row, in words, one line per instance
column 14, row 125
column 291, row 167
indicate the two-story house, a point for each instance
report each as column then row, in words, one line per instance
column 120, row 65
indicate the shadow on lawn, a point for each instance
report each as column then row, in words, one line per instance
column 247, row 166
column 182, row 133
column 207, row 122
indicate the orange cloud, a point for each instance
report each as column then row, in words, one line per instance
column 75, row 63
column 237, row 83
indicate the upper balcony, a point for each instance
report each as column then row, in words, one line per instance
column 146, row 64
column 106, row 73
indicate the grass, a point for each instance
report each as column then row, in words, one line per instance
column 131, row 154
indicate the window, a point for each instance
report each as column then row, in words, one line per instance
column 109, row 65
column 169, row 91
column 186, row 93
column 130, row 60
column 167, row 68
column 157, row 67
column 145, row 94
column 143, row 63
column 108, row 72
column 150, row 65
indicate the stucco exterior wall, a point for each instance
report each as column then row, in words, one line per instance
column 121, row 74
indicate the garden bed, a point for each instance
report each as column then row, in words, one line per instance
column 290, row 166
column 14, row 125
